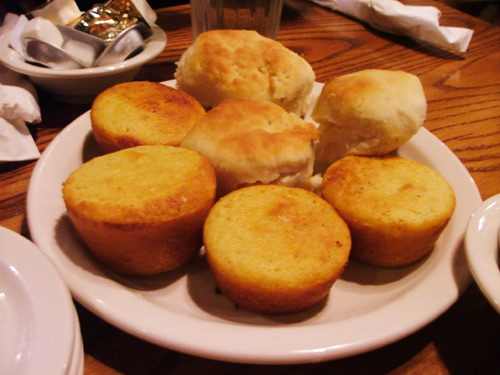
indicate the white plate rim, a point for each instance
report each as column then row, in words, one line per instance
column 283, row 343
column 482, row 247
column 52, row 341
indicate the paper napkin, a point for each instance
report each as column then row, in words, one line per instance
column 18, row 106
column 417, row 22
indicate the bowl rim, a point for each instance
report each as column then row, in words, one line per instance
column 12, row 60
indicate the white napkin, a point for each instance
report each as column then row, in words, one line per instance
column 417, row 22
column 18, row 105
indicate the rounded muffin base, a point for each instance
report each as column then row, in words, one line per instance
column 272, row 301
column 141, row 249
column 384, row 248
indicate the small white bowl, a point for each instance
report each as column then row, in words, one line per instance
column 82, row 85
column 481, row 248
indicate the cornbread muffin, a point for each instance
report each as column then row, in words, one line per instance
column 254, row 142
column 141, row 210
column 142, row 113
column 237, row 64
column 275, row 249
column 370, row 112
column 395, row 208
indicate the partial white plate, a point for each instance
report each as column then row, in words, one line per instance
column 75, row 365
column 481, row 245
column 367, row 308
column 38, row 324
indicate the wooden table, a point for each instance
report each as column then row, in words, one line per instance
column 463, row 93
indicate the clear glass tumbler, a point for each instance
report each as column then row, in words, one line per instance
column 261, row 15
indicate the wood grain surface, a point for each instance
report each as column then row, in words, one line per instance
column 463, row 93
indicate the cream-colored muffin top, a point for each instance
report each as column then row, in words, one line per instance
column 237, row 64
column 141, row 184
column 251, row 142
column 143, row 113
column 370, row 112
column 276, row 237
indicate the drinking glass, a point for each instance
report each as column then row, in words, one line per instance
column 260, row 15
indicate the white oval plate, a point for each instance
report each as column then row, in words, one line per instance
column 367, row 308
column 481, row 245
column 38, row 321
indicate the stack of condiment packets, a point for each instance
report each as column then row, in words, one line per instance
column 59, row 36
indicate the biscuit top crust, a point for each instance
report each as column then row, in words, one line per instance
column 390, row 190
column 277, row 237
column 393, row 97
column 256, row 140
column 253, row 129
column 141, row 184
column 244, row 64
column 370, row 112
column 145, row 110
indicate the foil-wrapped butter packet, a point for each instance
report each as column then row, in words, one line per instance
column 110, row 19
column 127, row 44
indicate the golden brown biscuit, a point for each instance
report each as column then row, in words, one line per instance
column 370, row 112
column 238, row 64
column 141, row 210
column 142, row 113
column 254, row 142
column 275, row 249
column 395, row 208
